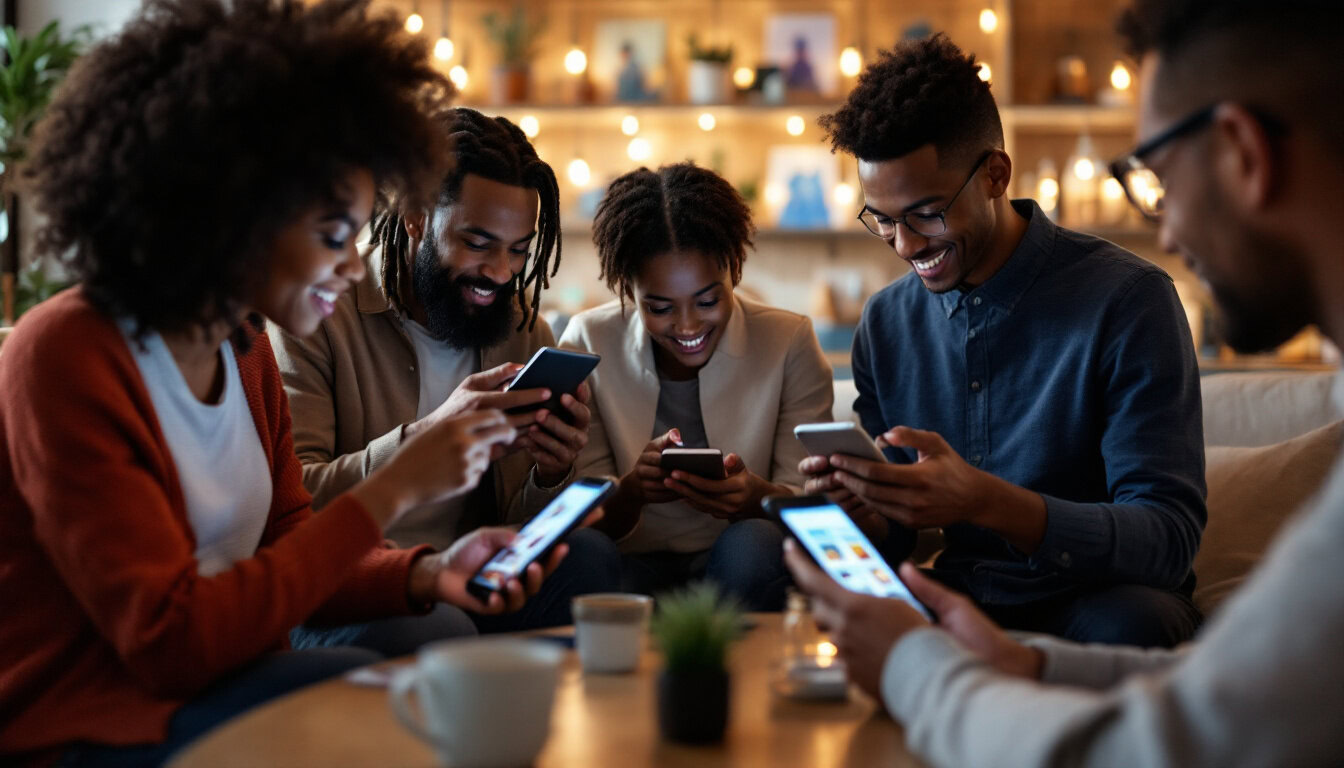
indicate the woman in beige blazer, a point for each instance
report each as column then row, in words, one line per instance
column 686, row 362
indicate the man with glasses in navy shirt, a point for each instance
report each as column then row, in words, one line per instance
column 1035, row 388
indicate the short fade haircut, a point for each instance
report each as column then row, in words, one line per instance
column 679, row 207
column 919, row 92
column 1280, row 57
column 177, row 150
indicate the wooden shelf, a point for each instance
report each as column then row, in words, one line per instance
column 1067, row 117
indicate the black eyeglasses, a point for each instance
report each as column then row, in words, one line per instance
column 922, row 224
column 1143, row 188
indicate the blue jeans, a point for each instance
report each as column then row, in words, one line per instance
column 746, row 561
column 1125, row 614
column 273, row 675
column 592, row 565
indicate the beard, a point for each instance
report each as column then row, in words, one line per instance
column 1266, row 302
column 451, row 319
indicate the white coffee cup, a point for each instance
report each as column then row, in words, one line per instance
column 486, row 703
column 609, row 630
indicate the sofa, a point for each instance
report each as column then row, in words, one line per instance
column 1270, row 440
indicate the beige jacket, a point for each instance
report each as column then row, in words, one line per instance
column 766, row 377
column 353, row 385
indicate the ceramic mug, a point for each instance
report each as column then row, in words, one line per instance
column 609, row 630
column 484, row 703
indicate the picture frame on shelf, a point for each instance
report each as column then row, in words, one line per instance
column 803, row 46
column 630, row 59
column 799, row 182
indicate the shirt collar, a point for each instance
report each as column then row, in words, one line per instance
column 1005, row 287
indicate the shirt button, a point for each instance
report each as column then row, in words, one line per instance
column 1065, row 558
column 411, row 369
column 976, row 301
column 975, row 385
column 976, row 459
column 970, row 334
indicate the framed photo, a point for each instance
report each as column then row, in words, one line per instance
column 630, row 59
column 802, row 45
column 799, row 181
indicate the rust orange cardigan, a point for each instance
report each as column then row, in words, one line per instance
column 105, row 626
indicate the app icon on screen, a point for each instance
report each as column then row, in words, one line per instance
column 858, row 550
column 881, row 576
column 832, row 552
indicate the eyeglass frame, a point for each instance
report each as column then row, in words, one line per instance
column 941, row 213
column 1133, row 159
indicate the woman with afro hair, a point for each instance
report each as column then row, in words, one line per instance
column 208, row 166
column 693, row 365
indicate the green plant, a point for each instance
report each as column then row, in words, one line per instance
column 515, row 35
column 34, row 286
column 35, row 66
column 694, row 628
column 721, row 55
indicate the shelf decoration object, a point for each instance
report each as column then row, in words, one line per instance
column 802, row 45
column 629, row 58
column 1079, row 187
column 1047, row 188
column 797, row 178
column 516, row 37
column 707, row 76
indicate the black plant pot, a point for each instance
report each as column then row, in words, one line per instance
column 693, row 708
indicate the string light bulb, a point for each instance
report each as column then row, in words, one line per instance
column 630, row 125
column 843, row 194
column 1120, row 78
column 774, row 195
column 576, row 61
column 795, row 125
column 1111, row 189
column 458, row 75
column 851, row 62
column 989, row 21
column 414, row 23
column 639, row 150
column 743, row 77
column 706, row 121
column 530, row 125
column 443, row 49
column 579, row 172
column 984, row 72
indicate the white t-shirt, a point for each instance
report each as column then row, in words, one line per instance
column 441, row 368
column 221, row 465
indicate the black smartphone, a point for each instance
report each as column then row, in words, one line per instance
column 839, row 547
column 559, row 370
column 536, row 539
column 704, row 462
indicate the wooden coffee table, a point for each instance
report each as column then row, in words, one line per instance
column 599, row 720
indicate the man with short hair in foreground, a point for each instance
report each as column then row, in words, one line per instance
column 1243, row 130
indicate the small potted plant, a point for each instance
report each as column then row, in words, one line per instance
column 707, row 78
column 694, row 629
column 516, row 37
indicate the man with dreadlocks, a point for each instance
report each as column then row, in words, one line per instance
column 443, row 318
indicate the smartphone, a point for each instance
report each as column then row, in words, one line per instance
column 559, row 370
column 839, row 547
column 705, row 462
column 536, row 539
column 826, row 438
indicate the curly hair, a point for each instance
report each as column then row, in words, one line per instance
column 498, row 150
column 175, row 151
column 679, row 207
column 1281, row 56
column 919, row 92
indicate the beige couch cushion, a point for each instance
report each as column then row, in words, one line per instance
column 1265, row 408
column 1252, row 491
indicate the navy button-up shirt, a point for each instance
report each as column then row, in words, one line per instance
column 1070, row 372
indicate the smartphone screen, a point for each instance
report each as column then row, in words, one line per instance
column 541, row 533
column 842, row 550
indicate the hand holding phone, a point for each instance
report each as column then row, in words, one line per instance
column 840, row 548
column 701, row 462
column 559, row 370
column 561, row 516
